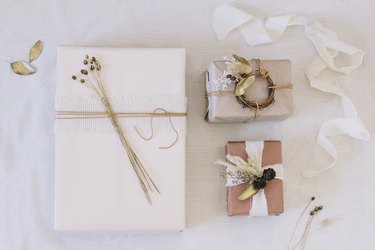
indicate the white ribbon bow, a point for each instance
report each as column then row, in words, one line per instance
column 227, row 18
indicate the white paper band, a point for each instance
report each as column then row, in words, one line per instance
column 259, row 206
column 227, row 18
column 254, row 150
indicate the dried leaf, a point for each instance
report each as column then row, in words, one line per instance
column 22, row 68
column 247, row 193
column 239, row 68
column 241, row 60
column 243, row 85
column 35, row 51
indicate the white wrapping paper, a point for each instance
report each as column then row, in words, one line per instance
column 96, row 188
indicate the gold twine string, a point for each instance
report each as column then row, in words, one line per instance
column 254, row 116
column 164, row 112
column 158, row 112
column 93, row 114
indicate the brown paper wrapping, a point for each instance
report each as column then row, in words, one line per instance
column 273, row 189
column 228, row 109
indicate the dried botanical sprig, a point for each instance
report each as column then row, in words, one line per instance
column 90, row 77
column 299, row 219
column 239, row 171
column 242, row 74
column 312, row 214
column 305, row 234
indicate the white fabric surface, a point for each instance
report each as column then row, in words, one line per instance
column 26, row 125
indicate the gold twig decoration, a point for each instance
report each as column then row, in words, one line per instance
column 90, row 77
column 242, row 75
column 248, row 76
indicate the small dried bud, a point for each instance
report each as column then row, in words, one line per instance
column 85, row 62
column 92, row 67
column 312, row 212
column 83, row 71
column 91, row 62
column 233, row 78
column 74, row 77
column 93, row 59
column 87, row 56
column 263, row 73
column 243, row 75
column 313, row 198
column 320, row 207
column 316, row 209
column 82, row 80
column 229, row 76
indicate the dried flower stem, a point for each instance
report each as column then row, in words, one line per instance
column 94, row 82
column 306, row 232
column 303, row 240
column 299, row 220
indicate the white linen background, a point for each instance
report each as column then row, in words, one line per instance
column 27, row 110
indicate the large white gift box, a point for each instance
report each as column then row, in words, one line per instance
column 96, row 188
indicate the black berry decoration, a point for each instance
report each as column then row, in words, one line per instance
column 269, row 174
column 259, row 183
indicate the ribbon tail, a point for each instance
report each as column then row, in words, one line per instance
column 351, row 126
column 259, row 204
column 222, row 14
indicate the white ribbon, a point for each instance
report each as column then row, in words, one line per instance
column 254, row 150
column 227, row 18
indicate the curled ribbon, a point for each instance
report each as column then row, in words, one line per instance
column 256, row 32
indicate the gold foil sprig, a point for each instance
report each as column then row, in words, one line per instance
column 35, row 51
column 22, row 68
column 26, row 68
